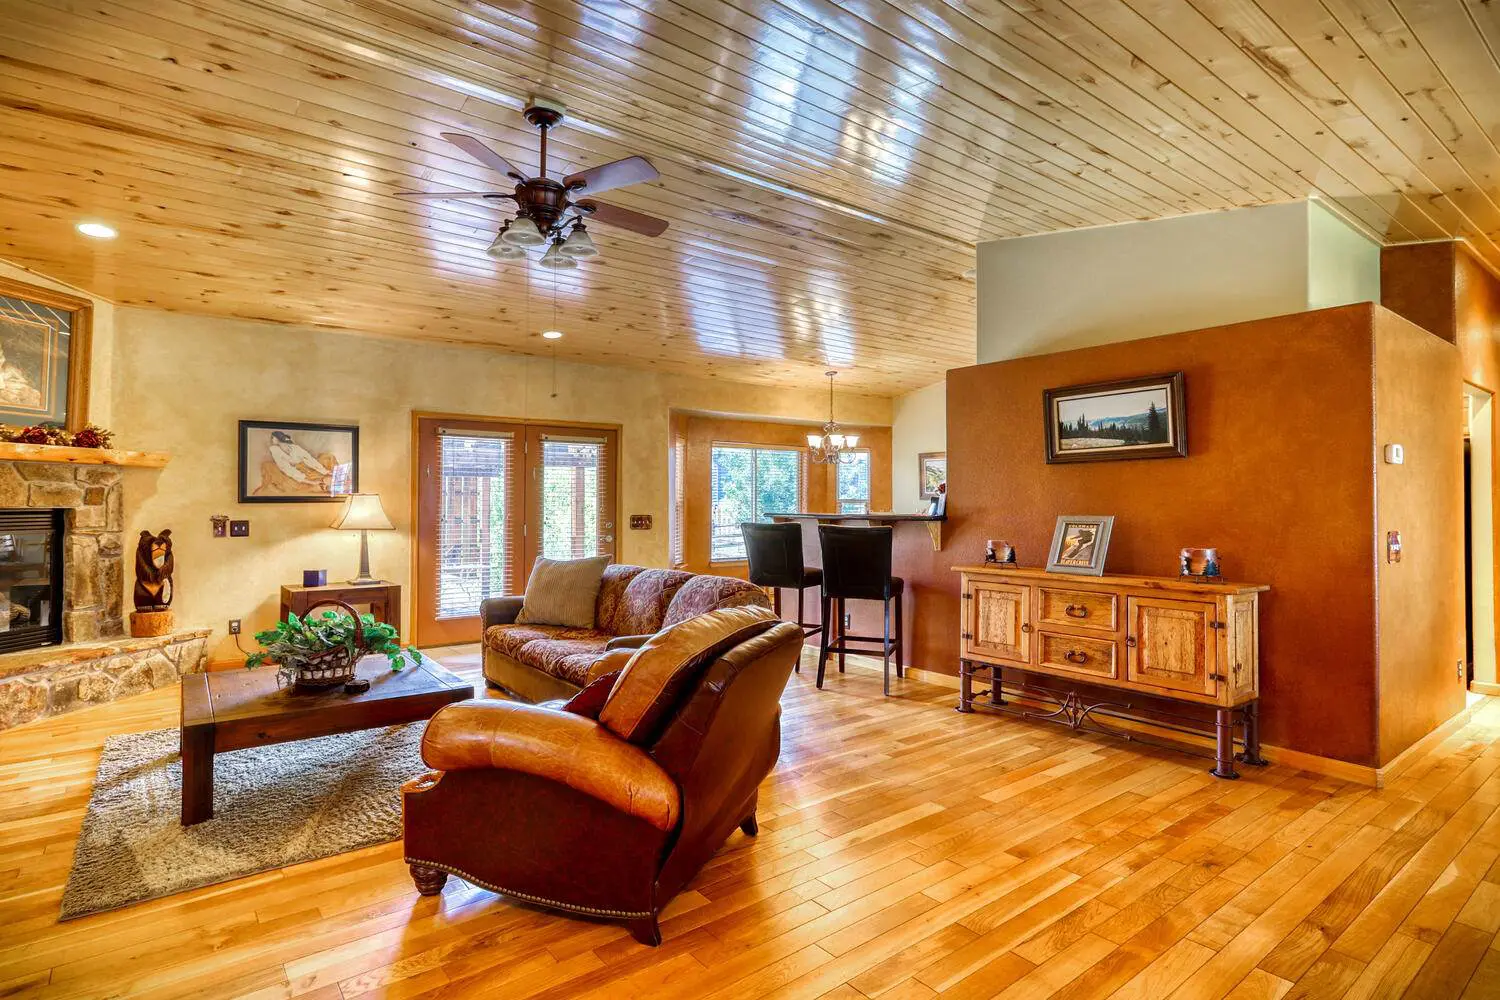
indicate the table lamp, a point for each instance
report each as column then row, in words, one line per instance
column 363, row 513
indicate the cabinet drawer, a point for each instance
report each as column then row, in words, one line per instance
column 1085, row 609
column 1077, row 655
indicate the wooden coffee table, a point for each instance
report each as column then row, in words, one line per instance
column 234, row 709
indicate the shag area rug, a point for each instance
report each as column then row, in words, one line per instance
column 273, row 806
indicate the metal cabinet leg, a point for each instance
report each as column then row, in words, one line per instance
column 1251, row 756
column 965, row 686
column 1224, row 754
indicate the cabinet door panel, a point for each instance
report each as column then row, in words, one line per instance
column 998, row 623
column 1242, row 653
column 1170, row 644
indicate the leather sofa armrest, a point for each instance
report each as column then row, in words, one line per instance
column 627, row 642
column 612, row 661
column 558, row 746
column 500, row 611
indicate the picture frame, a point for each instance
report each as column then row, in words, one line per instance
column 280, row 462
column 1080, row 544
column 1143, row 417
column 46, row 352
column 932, row 469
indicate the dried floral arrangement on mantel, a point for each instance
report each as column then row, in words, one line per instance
column 88, row 436
column 89, row 445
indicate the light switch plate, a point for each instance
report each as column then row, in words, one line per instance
column 1395, row 454
column 239, row 529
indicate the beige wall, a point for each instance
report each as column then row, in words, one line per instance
column 1060, row 291
column 919, row 422
column 180, row 383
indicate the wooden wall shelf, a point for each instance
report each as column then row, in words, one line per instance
column 10, row 451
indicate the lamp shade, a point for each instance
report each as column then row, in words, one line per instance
column 579, row 243
column 362, row 512
column 555, row 258
column 523, row 233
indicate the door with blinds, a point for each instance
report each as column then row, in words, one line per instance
column 491, row 497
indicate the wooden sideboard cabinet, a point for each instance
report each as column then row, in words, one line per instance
column 1166, row 637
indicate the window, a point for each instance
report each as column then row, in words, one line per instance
column 572, row 470
column 746, row 484
column 854, row 484
column 475, row 471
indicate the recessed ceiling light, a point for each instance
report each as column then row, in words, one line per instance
column 97, row 230
column 552, row 335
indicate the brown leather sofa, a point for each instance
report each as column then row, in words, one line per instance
column 608, row 805
column 543, row 662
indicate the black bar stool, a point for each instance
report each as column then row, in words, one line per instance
column 857, row 566
column 775, row 555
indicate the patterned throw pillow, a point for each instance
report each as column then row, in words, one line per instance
column 563, row 592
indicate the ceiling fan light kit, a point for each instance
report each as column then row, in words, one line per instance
column 555, row 258
column 579, row 243
column 522, row 232
column 502, row 249
column 546, row 212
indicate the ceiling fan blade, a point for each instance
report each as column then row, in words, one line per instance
column 484, row 154
column 439, row 195
column 624, row 218
column 631, row 170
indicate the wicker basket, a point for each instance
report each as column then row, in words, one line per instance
column 331, row 667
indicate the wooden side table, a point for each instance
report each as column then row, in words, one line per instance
column 383, row 598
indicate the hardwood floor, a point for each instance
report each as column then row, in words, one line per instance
column 905, row 852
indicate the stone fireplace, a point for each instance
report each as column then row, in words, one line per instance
column 95, row 661
column 93, row 547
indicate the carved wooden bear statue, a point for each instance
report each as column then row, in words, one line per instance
column 153, row 571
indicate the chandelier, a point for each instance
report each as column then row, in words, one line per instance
column 832, row 445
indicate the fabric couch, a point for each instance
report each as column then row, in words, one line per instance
column 544, row 662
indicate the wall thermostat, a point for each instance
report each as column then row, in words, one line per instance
column 1394, row 454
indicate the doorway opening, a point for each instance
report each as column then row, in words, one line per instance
column 1479, row 538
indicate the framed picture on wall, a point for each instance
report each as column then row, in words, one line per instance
column 284, row 462
column 1080, row 543
column 932, row 472
column 44, row 356
column 1142, row 417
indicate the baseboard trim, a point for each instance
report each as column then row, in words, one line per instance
column 1332, row 767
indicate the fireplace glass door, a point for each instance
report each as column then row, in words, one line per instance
column 31, row 573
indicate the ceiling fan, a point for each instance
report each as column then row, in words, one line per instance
column 550, row 213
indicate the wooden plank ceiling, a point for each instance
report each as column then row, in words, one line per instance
column 826, row 167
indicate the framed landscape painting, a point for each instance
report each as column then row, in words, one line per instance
column 932, row 472
column 1128, row 418
column 283, row 462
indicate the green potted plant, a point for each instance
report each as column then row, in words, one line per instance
column 320, row 650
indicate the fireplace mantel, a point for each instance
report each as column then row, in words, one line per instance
column 11, row 451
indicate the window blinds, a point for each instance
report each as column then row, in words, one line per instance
column 474, row 524
column 572, row 475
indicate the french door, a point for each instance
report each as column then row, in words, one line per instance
column 493, row 495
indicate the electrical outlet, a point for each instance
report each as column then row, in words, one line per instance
column 234, row 626
column 1460, row 666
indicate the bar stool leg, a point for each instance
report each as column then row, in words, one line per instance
column 885, row 646
column 900, row 639
column 843, row 636
column 776, row 601
column 798, row 665
column 823, row 642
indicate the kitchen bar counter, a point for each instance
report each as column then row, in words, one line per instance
column 933, row 522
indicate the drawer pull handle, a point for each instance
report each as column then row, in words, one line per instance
column 1076, row 656
column 1076, row 611
column 1130, row 641
column 1026, row 627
